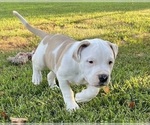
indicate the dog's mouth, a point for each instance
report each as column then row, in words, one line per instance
column 99, row 86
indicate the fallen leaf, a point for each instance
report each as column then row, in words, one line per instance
column 131, row 104
column 19, row 121
column 4, row 115
column 106, row 89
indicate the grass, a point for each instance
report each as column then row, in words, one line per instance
column 126, row 24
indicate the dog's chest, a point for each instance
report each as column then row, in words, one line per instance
column 77, row 78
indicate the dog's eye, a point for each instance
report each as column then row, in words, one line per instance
column 90, row 61
column 110, row 62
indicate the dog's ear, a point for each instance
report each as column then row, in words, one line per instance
column 114, row 48
column 77, row 53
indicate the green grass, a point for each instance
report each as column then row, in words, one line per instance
column 126, row 24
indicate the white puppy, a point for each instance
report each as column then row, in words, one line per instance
column 87, row 62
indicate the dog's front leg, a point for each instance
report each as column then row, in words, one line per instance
column 87, row 94
column 68, row 95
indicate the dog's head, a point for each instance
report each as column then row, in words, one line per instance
column 96, row 58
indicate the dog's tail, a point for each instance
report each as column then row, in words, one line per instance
column 37, row 32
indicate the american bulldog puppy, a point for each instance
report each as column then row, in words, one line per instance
column 89, row 62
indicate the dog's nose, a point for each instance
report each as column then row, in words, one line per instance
column 102, row 79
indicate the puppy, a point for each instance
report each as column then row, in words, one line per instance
column 89, row 62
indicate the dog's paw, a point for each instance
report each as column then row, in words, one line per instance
column 72, row 106
column 82, row 98
column 87, row 94
column 36, row 79
column 52, row 84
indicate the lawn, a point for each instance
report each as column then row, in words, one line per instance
column 126, row 24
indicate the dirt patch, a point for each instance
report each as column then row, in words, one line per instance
column 12, row 43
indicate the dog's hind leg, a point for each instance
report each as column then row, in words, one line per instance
column 37, row 65
column 36, row 76
column 51, row 79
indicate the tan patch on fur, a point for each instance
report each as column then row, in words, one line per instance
column 54, row 61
